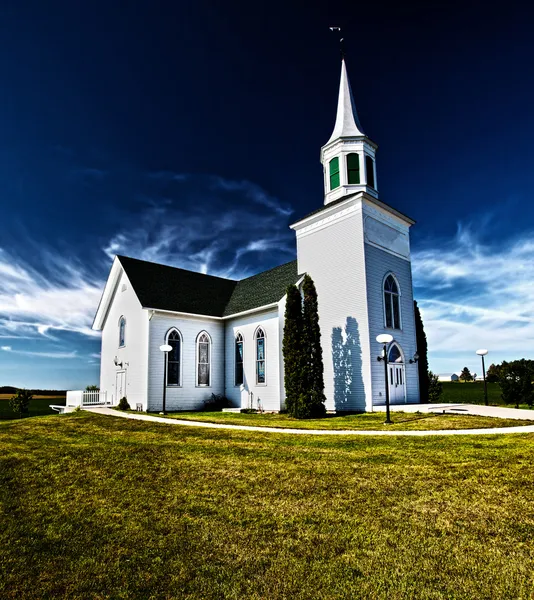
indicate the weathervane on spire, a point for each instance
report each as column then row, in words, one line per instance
column 341, row 44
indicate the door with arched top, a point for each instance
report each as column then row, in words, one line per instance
column 396, row 375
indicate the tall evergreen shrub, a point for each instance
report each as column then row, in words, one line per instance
column 292, row 350
column 314, row 397
column 422, row 350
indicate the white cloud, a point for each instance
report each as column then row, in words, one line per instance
column 474, row 294
column 41, row 354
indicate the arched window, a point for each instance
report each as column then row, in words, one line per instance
column 174, row 357
column 392, row 303
column 260, row 356
column 334, row 173
column 122, row 331
column 238, row 359
column 395, row 355
column 203, row 359
column 370, row 169
column 353, row 168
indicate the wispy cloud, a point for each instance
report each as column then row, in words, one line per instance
column 37, row 301
column 477, row 294
column 209, row 225
column 45, row 354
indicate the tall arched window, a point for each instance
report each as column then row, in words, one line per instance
column 394, row 354
column 334, row 173
column 238, row 359
column 392, row 303
column 174, row 357
column 353, row 168
column 260, row 356
column 203, row 359
column 122, row 331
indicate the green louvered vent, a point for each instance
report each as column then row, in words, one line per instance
column 370, row 168
column 353, row 168
column 334, row 173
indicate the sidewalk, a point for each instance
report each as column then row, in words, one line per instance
column 467, row 409
column 413, row 408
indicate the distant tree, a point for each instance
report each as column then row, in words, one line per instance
column 465, row 375
column 92, row 388
column 435, row 387
column 292, row 350
column 20, row 403
column 313, row 392
column 516, row 381
column 493, row 372
column 422, row 351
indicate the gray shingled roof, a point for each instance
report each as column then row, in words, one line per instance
column 178, row 290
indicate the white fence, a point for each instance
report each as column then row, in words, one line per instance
column 82, row 398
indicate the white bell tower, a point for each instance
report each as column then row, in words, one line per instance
column 348, row 158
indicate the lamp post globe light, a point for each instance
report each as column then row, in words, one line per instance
column 385, row 339
column 165, row 349
column 482, row 353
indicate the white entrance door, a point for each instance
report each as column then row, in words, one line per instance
column 397, row 385
column 120, row 385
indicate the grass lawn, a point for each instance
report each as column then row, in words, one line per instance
column 97, row 507
column 369, row 421
column 473, row 393
column 40, row 405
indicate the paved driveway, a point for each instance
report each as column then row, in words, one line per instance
column 466, row 409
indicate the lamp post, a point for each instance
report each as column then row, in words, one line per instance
column 482, row 353
column 385, row 339
column 165, row 349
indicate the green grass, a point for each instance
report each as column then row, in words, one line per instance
column 473, row 393
column 38, row 406
column 100, row 507
column 368, row 421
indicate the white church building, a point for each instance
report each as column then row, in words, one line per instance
column 226, row 336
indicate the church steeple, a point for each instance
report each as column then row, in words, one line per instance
column 348, row 157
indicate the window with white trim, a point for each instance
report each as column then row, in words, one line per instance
column 238, row 374
column 174, row 357
column 260, row 356
column 203, row 360
column 392, row 303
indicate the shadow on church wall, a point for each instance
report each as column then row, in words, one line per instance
column 349, row 393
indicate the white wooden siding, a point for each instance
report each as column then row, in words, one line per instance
column 378, row 264
column 188, row 396
column 134, row 354
column 331, row 251
column 268, row 394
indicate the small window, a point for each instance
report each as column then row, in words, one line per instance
column 392, row 303
column 370, row 169
column 122, row 331
column 174, row 358
column 394, row 355
column 353, row 168
column 334, row 173
column 239, row 359
column 260, row 356
column 203, row 354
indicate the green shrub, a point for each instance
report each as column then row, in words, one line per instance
column 216, row 402
column 248, row 411
column 123, row 404
column 435, row 389
column 20, row 403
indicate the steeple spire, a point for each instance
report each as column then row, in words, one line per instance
column 347, row 121
column 348, row 157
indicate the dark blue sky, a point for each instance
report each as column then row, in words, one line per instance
column 189, row 133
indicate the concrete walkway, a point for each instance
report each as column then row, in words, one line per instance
column 413, row 408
